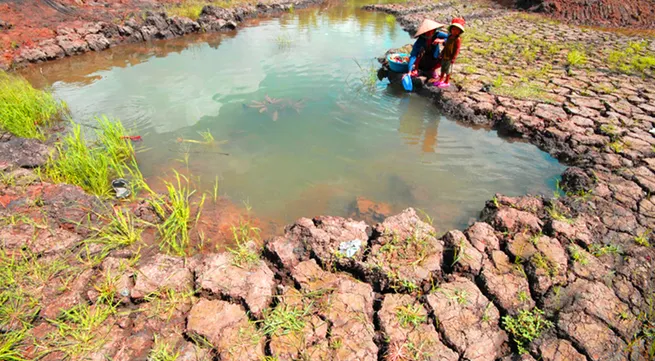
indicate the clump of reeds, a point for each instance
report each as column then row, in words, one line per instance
column 92, row 166
column 25, row 111
column 176, row 212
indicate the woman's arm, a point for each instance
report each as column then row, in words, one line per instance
column 419, row 44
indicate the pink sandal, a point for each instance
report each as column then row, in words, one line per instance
column 443, row 85
column 436, row 83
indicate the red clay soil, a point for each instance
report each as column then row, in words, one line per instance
column 607, row 13
column 26, row 22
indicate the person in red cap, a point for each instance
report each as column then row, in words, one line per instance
column 450, row 52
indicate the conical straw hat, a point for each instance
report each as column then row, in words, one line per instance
column 426, row 26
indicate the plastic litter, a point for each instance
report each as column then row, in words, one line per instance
column 652, row 131
column 349, row 248
column 134, row 138
column 121, row 187
column 407, row 83
column 125, row 292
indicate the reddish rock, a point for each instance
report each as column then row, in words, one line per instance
column 468, row 320
column 191, row 352
column 405, row 251
column 548, row 266
column 512, row 220
column 347, row 304
column 554, row 349
column 253, row 283
column 163, row 272
column 134, row 347
column 507, row 283
column 550, row 112
column 407, row 339
column 289, row 345
column 323, row 235
column 289, row 251
column 20, row 152
column 226, row 326
column 466, row 258
column 75, row 295
column 483, row 237
column 596, row 339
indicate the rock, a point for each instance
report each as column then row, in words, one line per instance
column 252, row 283
column 482, row 237
column 468, row 320
column 288, row 251
column 72, row 44
column 5, row 25
column 74, row 296
column 163, row 272
column 32, row 55
column 310, row 340
column 156, row 20
column 550, row 113
column 406, row 254
column 323, row 235
column 226, row 326
column 576, row 180
column 548, row 266
column 368, row 210
column 597, row 300
column 134, row 347
column 507, row 283
column 465, row 257
column 53, row 241
column 191, row 352
column 97, row 42
column 574, row 232
column 512, row 220
column 415, row 337
column 25, row 153
column 347, row 304
column 596, row 339
column 181, row 25
column 89, row 29
column 554, row 349
column 51, row 49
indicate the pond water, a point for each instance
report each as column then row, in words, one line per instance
column 306, row 136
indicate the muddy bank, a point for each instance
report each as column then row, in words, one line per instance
column 82, row 30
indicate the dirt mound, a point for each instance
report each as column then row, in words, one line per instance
column 609, row 13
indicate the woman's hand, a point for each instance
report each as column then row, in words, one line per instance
column 437, row 41
column 413, row 73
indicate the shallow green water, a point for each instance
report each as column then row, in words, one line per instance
column 342, row 141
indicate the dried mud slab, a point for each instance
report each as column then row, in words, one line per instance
column 468, row 320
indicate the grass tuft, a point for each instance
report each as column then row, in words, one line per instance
column 177, row 215
column 283, row 320
column 411, row 315
column 242, row 254
column 8, row 343
column 526, row 327
column 162, row 351
column 25, row 111
column 93, row 166
column 187, row 9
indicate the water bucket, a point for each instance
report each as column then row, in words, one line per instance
column 398, row 67
column 407, row 83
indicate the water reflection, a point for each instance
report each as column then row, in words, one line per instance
column 416, row 127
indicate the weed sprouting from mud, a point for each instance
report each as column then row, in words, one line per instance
column 176, row 212
column 411, row 315
column 8, row 343
column 121, row 230
column 244, row 236
column 162, row 351
column 284, row 319
column 25, row 111
column 525, row 327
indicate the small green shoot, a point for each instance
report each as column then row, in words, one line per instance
column 411, row 315
column 283, row 319
column 526, row 327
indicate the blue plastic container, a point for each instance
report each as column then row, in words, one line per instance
column 396, row 66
